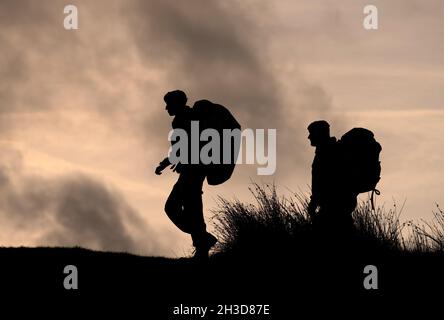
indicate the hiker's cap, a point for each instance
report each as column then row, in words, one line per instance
column 176, row 97
column 319, row 126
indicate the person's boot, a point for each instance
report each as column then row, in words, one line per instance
column 204, row 246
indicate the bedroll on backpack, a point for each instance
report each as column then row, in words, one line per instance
column 359, row 152
column 216, row 116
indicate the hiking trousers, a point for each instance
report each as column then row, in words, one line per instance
column 184, row 205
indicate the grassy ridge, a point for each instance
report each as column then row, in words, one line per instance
column 281, row 226
column 268, row 253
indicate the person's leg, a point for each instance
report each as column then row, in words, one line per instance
column 193, row 206
column 174, row 206
column 185, row 208
column 193, row 210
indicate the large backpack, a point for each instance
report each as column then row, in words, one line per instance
column 361, row 167
column 216, row 116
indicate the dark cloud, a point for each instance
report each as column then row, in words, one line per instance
column 87, row 213
column 46, row 68
column 212, row 50
column 217, row 50
column 72, row 210
column 4, row 179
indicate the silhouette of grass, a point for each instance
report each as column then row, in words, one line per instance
column 271, row 227
column 277, row 225
column 429, row 235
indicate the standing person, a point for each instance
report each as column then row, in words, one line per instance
column 184, row 205
column 332, row 202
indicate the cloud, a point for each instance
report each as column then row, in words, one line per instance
column 116, row 68
column 86, row 212
column 72, row 210
column 127, row 54
column 210, row 49
column 218, row 51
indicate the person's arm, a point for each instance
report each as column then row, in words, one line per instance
column 162, row 165
column 166, row 162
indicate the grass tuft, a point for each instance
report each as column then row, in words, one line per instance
column 275, row 225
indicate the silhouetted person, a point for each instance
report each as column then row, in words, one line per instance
column 332, row 202
column 184, row 205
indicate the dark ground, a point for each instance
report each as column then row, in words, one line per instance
column 154, row 286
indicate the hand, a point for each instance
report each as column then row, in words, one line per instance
column 162, row 165
column 159, row 170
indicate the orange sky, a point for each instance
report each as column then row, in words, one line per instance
column 82, row 124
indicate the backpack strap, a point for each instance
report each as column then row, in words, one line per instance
column 372, row 198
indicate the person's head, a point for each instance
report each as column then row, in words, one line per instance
column 175, row 101
column 319, row 132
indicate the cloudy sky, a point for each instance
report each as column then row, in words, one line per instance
column 83, row 125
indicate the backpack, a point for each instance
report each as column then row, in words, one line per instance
column 218, row 117
column 359, row 152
